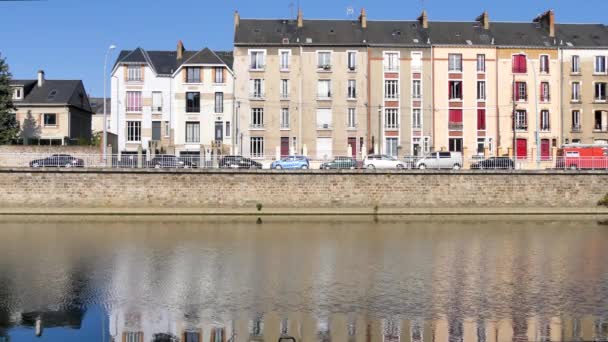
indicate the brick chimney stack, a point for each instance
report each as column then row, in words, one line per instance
column 363, row 18
column 180, row 49
column 424, row 20
column 547, row 21
column 237, row 19
column 300, row 18
column 484, row 19
column 40, row 78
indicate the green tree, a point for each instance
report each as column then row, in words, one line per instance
column 9, row 127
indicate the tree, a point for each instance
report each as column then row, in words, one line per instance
column 9, row 127
column 30, row 131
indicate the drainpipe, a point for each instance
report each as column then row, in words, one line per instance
column 369, row 99
column 432, row 98
column 233, row 128
column 537, row 115
column 300, row 138
column 498, row 135
column 561, row 95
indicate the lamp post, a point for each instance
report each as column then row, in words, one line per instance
column 105, row 114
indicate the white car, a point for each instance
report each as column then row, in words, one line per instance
column 377, row 161
column 441, row 160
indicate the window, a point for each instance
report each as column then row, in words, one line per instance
column 284, row 89
column 576, row 64
column 455, row 145
column 391, row 118
column 257, row 59
column 521, row 120
column 134, row 73
column 18, row 93
column 391, row 89
column 193, row 75
column 324, row 89
column 219, row 102
column 520, row 64
column 157, row 102
column 601, row 121
column 324, row 118
column 481, row 149
column 352, row 89
column 324, row 60
column 257, row 117
column 50, row 119
column 156, row 130
column 576, row 91
column 416, row 89
column 284, row 59
column 600, row 64
column 134, row 101
column 481, row 63
column 391, row 146
column 193, row 102
column 600, row 91
column 416, row 118
column 167, row 129
column 481, row 90
column 576, row 121
column 521, row 91
column 351, row 119
column 133, row 336
column 454, row 62
column 228, row 129
column 545, row 94
column 544, row 120
column 544, row 64
column 218, row 75
column 416, row 61
column 256, row 147
column 193, row 132
column 133, row 131
column 455, row 90
column 285, row 118
column 391, row 61
column 455, row 119
column 481, row 119
column 352, row 60
column 256, row 88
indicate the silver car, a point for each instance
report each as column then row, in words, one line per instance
column 441, row 160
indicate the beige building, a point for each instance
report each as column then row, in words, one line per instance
column 52, row 112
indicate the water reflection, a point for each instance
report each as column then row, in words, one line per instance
column 219, row 281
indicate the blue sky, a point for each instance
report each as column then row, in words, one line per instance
column 68, row 38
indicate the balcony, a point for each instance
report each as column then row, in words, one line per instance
column 324, row 126
column 600, row 99
column 455, row 126
column 521, row 127
column 324, row 67
column 256, row 126
column 599, row 128
column 391, row 127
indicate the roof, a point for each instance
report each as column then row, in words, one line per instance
column 410, row 33
column 53, row 92
column 166, row 62
column 97, row 104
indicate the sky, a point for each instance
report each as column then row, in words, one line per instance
column 68, row 39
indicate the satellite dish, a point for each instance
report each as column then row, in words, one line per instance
column 350, row 11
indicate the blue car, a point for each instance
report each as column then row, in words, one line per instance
column 291, row 162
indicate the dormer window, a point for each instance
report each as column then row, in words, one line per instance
column 134, row 73
column 18, row 93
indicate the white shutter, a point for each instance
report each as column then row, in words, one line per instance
column 324, row 118
column 324, row 148
column 251, row 87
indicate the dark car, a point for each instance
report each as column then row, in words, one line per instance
column 169, row 161
column 494, row 163
column 238, row 162
column 340, row 163
column 58, row 160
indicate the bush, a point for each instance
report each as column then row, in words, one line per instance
column 604, row 201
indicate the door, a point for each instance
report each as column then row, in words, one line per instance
column 522, row 148
column 284, row 146
column 545, row 149
column 219, row 130
column 155, row 130
column 352, row 142
column 324, row 148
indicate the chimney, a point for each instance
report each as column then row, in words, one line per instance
column 484, row 19
column 237, row 19
column 547, row 20
column 180, row 49
column 424, row 20
column 300, row 18
column 363, row 18
column 40, row 78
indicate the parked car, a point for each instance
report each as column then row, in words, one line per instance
column 58, row 160
column 441, row 160
column 169, row 161
column 340, row 163
column 579, row 156
column 494, row 163
column 291, row 162
column 381, row 161
column 239, row 162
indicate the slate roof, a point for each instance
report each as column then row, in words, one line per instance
column 97, row 104
column 259, row 32
column 53, row 92
column 166, row 62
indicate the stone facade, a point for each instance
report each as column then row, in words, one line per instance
column 298, row 190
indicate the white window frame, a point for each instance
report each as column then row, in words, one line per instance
column 523, row 85
column 351, row 118
column 258, row 142
column 481, row 90
column 321, row 94
column 391, row 118
column 519, row 123
column 167, row 129
column 321, row 66
column 257, row 118
column 453, row 66
column 157, row 107
column 595, row 65
column 138, row 122
column 416, row 61
column 18, row 93
column 257, row 88
column 257, row 67
column 576, row 92
column 218, row 106
column 452, row 94
column 194, row 80
column 575, row 61
column 44, row 124
column 281, row 64
column 219, row 79
column 576, row 124
column 391, row 64
column 391, row 89
column 192, row 141
column 133, row 108
column 284, row 88
column 324, row 124
column 544, row 69
column 134, row 73
column 394, row 146
column 417, row 89
column 353, row 67
column 285, row 123
column 545, row 115
column 481, row 61
column 351, row 86
column 416, row 118
column 605, row 97
column 542, row 90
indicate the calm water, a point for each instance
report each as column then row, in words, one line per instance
column 361, row 280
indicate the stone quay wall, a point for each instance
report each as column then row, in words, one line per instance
column 200, row 189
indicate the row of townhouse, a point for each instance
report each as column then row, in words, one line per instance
column 340, row 87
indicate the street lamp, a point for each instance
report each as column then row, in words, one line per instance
column 105, row 114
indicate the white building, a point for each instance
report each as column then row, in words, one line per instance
column 175, row 102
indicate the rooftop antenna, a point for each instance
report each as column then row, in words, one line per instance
column 291, row 12
column 350, row 12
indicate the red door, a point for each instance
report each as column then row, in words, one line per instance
column 545, row 149
column 522, row 148
column 352, row 142
column 284, row 146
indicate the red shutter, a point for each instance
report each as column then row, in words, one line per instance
column 456, row 115
column 481, row 119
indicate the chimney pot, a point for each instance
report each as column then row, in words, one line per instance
column 363, row 18
column 484, row 19
column 424, row 20
column 547, row 21
column 237, row 19
column 180, row 49
column 300, row 18
column 40, row 78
